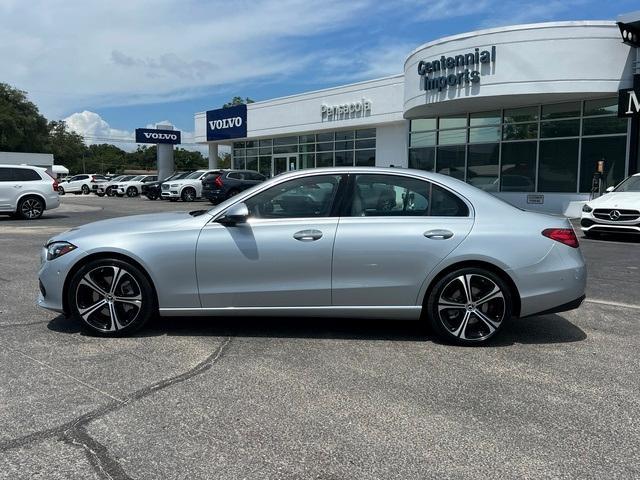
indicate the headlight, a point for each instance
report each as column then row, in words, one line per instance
column 173, row 185
column 586, row 208
column 57, row 249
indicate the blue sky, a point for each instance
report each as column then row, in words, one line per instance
column 110, row 67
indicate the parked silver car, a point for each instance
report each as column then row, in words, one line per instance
column 341, row 242
column 26, row 192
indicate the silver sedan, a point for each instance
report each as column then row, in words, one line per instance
column 340, row 242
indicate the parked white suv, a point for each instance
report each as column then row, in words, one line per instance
column 133, row 187
column 27, row 191
column 78, row 184
column 188, row 188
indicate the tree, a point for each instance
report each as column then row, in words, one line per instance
column 68, row 147
column 188, row 160
column 22, row 127
column 237, row 101
column 224, row 160
column 106, row 158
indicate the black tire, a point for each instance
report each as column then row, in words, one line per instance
column 30, row 208
column 455, row 319
column 151, row 196
column 132, row 192
column 93, row 300
column 61, row 190
column 86, row 190
column 188, row 194
column 233, row 192
column 100, row 194
column 110, row 191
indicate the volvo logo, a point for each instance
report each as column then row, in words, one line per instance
column 225, row 123
column 614, row 215
column 161, row 136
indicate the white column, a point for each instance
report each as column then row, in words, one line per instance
column 164, row 156
column 213, row 155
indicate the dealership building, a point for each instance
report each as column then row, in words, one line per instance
column 525, row 112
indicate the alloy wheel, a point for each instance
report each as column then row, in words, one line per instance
column 31, row 208
column 108, row 298
column 189, row 195
column 471, row 307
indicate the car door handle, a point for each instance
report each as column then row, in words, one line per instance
column 308, row 235
column 438, row 234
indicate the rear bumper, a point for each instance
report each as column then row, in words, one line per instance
column 214, row 195
column 52, row 201
column 565, row 307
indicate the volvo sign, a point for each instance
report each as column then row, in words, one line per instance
column 227, row 123
column 151, row 135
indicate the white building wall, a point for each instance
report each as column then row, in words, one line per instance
column 392, row 145
column 34, row 159
column 539, row 63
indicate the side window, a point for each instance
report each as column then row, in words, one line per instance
column 396, row 196
column 446, row 204
column 25, row 175
column 236, row 176
column 5, row 174
column 300, row 198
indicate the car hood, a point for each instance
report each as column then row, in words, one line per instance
column 626, row 200
column 123, row 226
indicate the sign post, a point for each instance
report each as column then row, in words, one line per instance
column 164, row 137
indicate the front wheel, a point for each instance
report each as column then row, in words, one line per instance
column 188, row 194
column 469, row 306
column 132, row 192
column 100, row 194
column 111, row 192
column 61, row 190
column 111, row 297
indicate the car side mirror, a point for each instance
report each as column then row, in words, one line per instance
column 237, row 213
column 609, row 189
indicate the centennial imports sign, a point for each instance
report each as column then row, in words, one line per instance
column 454, row 71
column 152, row 135
column 227, row 123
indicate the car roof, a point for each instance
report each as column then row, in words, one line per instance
column 7, row 165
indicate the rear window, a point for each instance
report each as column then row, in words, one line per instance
column 236, row 175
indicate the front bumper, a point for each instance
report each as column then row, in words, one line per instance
column 52, row 276
column 589, row 223
column 173, row 193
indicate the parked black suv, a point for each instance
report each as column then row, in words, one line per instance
column 152, row 190
column 223, row 184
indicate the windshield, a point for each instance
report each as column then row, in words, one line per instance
column 139, row 177
column 193, row 175
column 124, row 179
column 631, row 184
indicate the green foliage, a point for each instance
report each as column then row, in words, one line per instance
column 22, row 128
column 237, row 101
column 187, row 160
column 67, row 147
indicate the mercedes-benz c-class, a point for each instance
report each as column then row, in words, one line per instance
column 341, row 242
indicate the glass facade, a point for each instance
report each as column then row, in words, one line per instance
column 340, row 148
column 540, row 148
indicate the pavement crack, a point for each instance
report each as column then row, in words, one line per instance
column 97, row 454
column 62, row 431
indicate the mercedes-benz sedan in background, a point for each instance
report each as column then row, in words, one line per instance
column 618, row 211
column 341, row 242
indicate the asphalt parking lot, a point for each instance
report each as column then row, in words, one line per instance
column 555, row 396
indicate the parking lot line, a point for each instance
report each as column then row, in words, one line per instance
column 613, row 304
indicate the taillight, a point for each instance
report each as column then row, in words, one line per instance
column 218, row 181
column 93, row 179
column 562, row 235
column 55, row 182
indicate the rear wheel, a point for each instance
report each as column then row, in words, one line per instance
column 152, row 196
column 111, row 297
column 85, row 190
column 30, row 208
column 111, row 192
column 469, row 306
column 188, row 194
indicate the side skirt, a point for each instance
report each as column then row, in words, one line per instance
column 383, row 312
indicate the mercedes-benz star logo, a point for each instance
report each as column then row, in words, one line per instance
column 614, row 215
